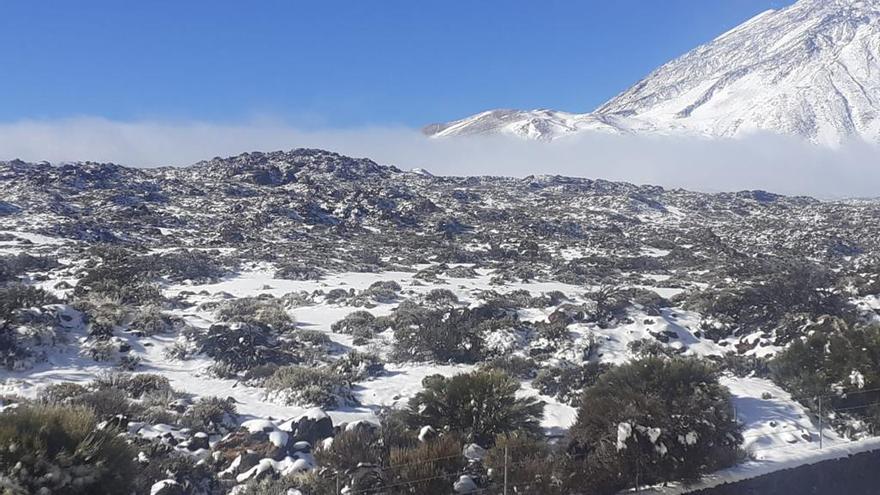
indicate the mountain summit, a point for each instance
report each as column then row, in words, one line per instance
column 810, row 70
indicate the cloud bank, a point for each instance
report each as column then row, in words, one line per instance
column 773, row 163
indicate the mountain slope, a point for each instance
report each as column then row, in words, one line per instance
column 810, row 70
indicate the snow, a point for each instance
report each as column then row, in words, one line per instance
column 807, row 70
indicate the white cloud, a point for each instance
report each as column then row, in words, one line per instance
column 773, row 163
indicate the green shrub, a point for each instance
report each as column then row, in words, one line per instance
column 211, row 415
column 303, row 385
column 669, row 419
column 133, row 385
column 519, row 367
column 60, row 449
column 454, row 335
column 266, row 311
column 567, row 383
column 835, row 360
column 478, row 406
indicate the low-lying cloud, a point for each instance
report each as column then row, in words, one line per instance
column 773, row 163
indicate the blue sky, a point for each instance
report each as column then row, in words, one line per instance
column 337, row 64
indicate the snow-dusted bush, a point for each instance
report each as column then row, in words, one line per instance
column 150, row 320
column 242, row 346
column 59, row 449
column 135, row 386
column 454, row 335
column 383, row 291
column 304, row 385
column 263, row 310
column 835, row 360
column 519, row 367
column 359, row 366
column 440, row 297
column 181, row 264
column 299, row 272
column 668, row 418
column 361, row 325
column 13, row 266
column 567, row 382
column 211, row 415
column 478, row 406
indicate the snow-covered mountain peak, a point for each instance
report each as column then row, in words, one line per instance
column 811, row 70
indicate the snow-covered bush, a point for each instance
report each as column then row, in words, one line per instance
column 59, row 449
column 668, row 418
column 478, row 406
column 305, row 385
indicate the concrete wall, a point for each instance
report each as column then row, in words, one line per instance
column 858, row 474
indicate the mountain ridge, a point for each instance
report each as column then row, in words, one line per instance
column 811, row 70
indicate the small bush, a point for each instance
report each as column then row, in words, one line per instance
column 478, row 406
column 358, row 366
column 60, row 449
column 429, row 467
column 211, row 415
column 242, row 346
column 133, row 385
column 270, row 312
column 519, row 367
column 301, row 385
column 568, row 382
column 150, row 320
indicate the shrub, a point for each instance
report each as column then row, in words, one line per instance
column 771, row 300
column 361, row 324
column 441, row 297
column 60, row 449
column 835, row 360
column 567, row 382
column 133, row 385
column 211, row 415
column 266, row 311
column 194, row 264
column 536, row 467
column 302, row 385
column 103, row 314
column 12, row 266
column 17, row 296
column 150, row 320
column 478, row 405
column 384, row 291
column 351, row 448
column 455, row 335
column 299, row 272
column 429, row 467
column 243, row 345
column 669, row 419
column 519, row 367
column 358, row 366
